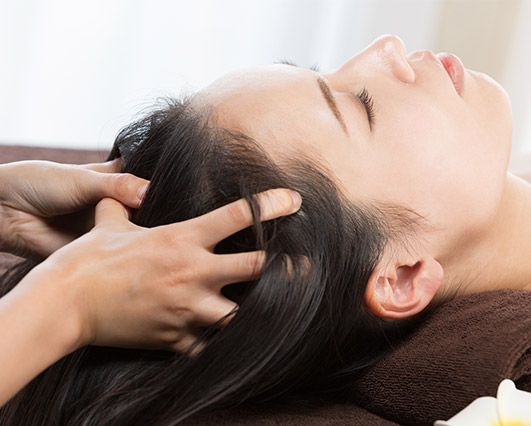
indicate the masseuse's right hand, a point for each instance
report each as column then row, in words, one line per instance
column 135, row 287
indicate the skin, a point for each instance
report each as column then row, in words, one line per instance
column 117, row 284
column 440, row 153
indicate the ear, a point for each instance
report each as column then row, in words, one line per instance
column 403, row 290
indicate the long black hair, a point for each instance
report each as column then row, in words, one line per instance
column 300, row 329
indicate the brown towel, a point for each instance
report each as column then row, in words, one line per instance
column 463, row 351
column 9, row 154
column 319, row 415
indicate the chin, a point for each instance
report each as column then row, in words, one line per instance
column 500, row 116
column 494, row 90
column 505, row 117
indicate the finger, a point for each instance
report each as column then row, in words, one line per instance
column 188, row 344
column 214, row 309
column 227, row 220
column 92, row 186
column 237, row 267
column 111, row 166
column 109, row 211
column 124, row 187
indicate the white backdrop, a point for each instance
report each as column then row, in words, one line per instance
column 74, row 72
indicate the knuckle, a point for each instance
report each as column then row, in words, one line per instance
column 122, row 183
column 239, row 212
column 250, row 262
column 173, row 240
column 178, row 339
column 171, row 336
column 181, row 276
column 176, row 347
column 182, row 315
column 182, row 345
column 170, row 239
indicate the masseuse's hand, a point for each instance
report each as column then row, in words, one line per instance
column 128, row 286
column 45, row 205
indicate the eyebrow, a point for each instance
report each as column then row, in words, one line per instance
column 332, row 104
column 327, row 93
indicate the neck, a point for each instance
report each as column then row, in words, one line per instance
column 501, row 257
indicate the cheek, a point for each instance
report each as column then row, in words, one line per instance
column 445, row 167
column 426, row 147
column 487, row 128
column 490, row 108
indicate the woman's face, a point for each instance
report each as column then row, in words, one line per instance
column 429, row 148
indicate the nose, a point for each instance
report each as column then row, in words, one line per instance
column 392, row 50
column 385, row 54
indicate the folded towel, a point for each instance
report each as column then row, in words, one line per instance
column 318, row 415
column 463, row 351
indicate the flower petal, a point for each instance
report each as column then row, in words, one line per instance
column 481, row 412
column 514, row 406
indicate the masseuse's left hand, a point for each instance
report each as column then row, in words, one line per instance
column 45, row 205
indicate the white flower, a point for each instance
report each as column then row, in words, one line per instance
column 512, row 407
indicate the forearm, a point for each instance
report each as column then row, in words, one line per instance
column 37, row 328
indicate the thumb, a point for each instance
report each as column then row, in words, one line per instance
column 92, row 186
column 109, row 211
column 124, row 187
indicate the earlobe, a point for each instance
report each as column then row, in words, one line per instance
column 403, row 290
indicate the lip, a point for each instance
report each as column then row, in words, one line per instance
column 455, row 69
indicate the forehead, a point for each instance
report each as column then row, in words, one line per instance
column 263, row 80
column 278, row 105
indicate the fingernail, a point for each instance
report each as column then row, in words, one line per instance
column 142, row 192
column 297, row 199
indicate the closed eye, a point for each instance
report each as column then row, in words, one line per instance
column 363, row 96
column 368, row 103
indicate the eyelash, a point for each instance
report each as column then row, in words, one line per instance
column 363, row 95
column 368, row 103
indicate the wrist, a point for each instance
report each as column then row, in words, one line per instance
column 51, row 294
column 37, row 330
